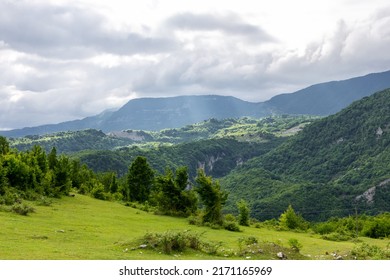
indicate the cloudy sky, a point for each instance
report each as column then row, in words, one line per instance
column 62, row 60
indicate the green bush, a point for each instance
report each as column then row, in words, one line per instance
column 231, row 226
column 378, row 228
column 99, row 193
column 22, row 209
column 195, row 220
column 294, row 244
column 169, row 242
column 337, row 236
column 365, row 251
column 250, row 240
column 290, row 220
column 44, row 201
column 230, row 218
column 9, row 198
column 244, row 211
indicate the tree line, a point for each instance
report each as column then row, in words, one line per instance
column 34, row 174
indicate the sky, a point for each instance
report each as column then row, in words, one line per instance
column 62, row 60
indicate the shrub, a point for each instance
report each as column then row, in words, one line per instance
column 211, row 248
column 170, row 242
column 250, row 240
column 294, row 244
column 337, row 236
column 290, row 220
column 243, row 209
column 365, row 251
column 44, row 201
column 378, row 228
column 231, row 226
column 230, row 218
column 9, row 198
column 99, row 193
column 22, row 209
column 195, row 220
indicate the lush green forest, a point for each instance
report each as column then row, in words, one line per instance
column 331, row 168
column 216, row 145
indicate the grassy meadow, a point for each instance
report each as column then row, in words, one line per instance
column 84, row 228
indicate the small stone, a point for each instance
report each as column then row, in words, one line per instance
column 281, row 256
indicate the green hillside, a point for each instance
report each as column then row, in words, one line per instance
column 240, row 129
column 71, row 141
column 217, row 145
column 84, row 228
column 333, row 167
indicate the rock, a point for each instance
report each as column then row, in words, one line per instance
column 143, row 246
column 281, row 256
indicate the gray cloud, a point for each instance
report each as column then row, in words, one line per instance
column 69, row 32
column 230, row 24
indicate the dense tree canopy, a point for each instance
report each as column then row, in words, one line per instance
column 140, row 180
column 212, row 197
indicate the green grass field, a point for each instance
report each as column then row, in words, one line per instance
column 83, row 228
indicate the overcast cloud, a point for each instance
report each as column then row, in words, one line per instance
column 63, row 60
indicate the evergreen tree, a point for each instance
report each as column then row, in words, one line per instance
column 212, row 197
column 139, row 180
column 41, row 158
column 114, row 186
column 62, row 174
column 290, row 220
column 52, row 158
column 172, row 195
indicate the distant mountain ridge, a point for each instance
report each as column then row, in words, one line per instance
column 328, row 98
column 156, row 114
column 172, row 112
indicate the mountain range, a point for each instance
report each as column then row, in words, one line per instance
column 336, row 166
column 159, row 113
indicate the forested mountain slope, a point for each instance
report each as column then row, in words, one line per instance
column 332, row 167
column 242, row 130
column 216, row 145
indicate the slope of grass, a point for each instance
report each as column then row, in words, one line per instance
column 84, row 228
